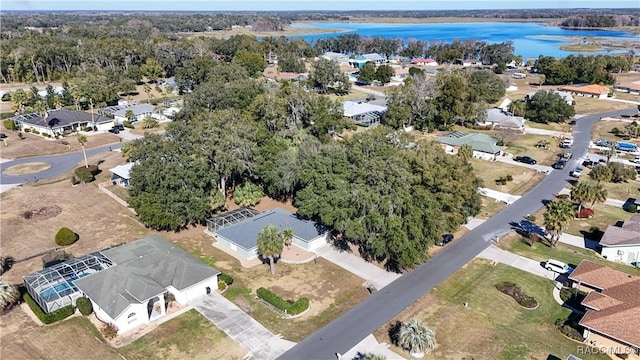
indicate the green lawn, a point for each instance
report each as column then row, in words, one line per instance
column 524, row 179
column 525, row 145
column 604, row 215
column 623, row 190
column 563, row 252
column 494, row 326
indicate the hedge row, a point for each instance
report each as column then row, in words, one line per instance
column 294, row 308
column 50, row 318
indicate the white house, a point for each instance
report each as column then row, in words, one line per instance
column 622, row 244
column 60, row 120
column 121, row 174
column 483, row 145
column 339, row 57
column 136, row 289
column 140, row 111
column 424, row 62
column 360, row 60
column 364, row 113
column 500, row 119
column 241, row 237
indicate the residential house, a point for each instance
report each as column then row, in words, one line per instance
column 135, row 290
column 339, row 57
column 424, row 62
column 121, row 174
column 596, row 91
column 563, row 94
column 613, row 308
column 630, row 86
column 59, row 121
column 241, row 237
column 401, row 74
column 140, row 111
column 500, row 119
column 364, row 113
column 128, row 285
column 360, row 60
column 484, row 146
column 622, row 244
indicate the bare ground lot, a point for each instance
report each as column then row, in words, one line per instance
column 35, row 145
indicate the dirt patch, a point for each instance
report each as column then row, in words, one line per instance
column 26, row 169
column 34, row 145
column 42, row 213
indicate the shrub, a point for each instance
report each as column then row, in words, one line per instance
column 226, row 278
column 27, row 130
column 585, row 213
column 128, row 124
column 615, row 131
column 517, row 294
column 47, row 135
column 49, row 318
column 27, row 214
column 9, row 125
column 87, row 174
column 509, row 177
column 87, row 128
column 74, row 180
column 633, row 208
column 84, row 306
column 221, row 285
column 109, row 331
column 66, row 237
column 291, row 308
column 532, row 218
column 34, row 131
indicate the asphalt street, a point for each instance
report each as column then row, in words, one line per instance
column 60, row 164
column 348, row 330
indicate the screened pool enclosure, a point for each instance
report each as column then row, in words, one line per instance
column 53, row 287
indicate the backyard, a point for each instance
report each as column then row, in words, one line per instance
column 492, row 326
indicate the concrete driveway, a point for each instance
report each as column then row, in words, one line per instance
column 259, row 342
column 519, row 262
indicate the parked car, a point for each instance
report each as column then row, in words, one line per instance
column 636, row 160
column 446, row 238
column 604, row 143
column 560, row 165
column 525, row 159
column 566, row 143
column 119, row 127
column 566, row 156
column 558, row 266
column 577, row 172
column 589, row 164
column 114, row 130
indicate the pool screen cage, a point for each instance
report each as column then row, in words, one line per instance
column 53, row 287
column 229, row 218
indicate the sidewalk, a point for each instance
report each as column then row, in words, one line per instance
column 499, row 196
column 358, row 266
column 259, row 342
column 519, row 262
column 369, row 345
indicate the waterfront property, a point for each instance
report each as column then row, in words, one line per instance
column 339, row 57
column 622, row 244
column 484, row 146
column 613, row 306
column 360, row 60
column 364, row 113
column 56, row 122
column 238, row 230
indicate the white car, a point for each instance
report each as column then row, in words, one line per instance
column 558, row 266
column 577, row 172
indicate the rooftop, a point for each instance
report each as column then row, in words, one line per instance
column 496, row 115
column 144, row 269
column 60, row 118
column 610, row 311
column 245, row 233
column 137, row 109
column 478, row 141
column 628, row 234
column 122, row 170
column 587, row 89
column 356, row 108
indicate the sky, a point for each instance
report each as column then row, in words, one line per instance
column 293, row 5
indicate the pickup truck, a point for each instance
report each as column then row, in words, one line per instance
column 566, row 143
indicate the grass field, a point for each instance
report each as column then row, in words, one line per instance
column 602, row 130
column 524, row 179
column 492, row 326
column 525, row 145
column 566, row 253
column 623, row 190
column 604, row 215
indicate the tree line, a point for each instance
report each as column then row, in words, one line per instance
column 601, row 20
column 590, row 69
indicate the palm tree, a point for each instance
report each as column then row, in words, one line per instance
column 19, row 99
column 517, row 108
column 581, row 193
column 6, row 262
column 288, row 237
column 416, row 338
column 556, row 217
column 465, row 152
column 609, row 153
column 83, row 141
column 149, row 123
column 270, row 244
column 57, row 101
column 373, row 356
column 9, row 295
column 129, row 114
column 599, row 194
column 601, row 173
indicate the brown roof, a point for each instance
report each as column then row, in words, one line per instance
column 618, row 305
column 628, row 234
column 587, row 89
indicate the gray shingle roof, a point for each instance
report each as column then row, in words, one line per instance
column 144, row 269
column 60, row 118
column 245, row 233
column 137, row 109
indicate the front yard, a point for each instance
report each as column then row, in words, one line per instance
column 492, row 326
column 524, row 179
column 525, row 145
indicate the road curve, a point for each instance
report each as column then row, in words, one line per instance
column 349, row 329
column 60, row 164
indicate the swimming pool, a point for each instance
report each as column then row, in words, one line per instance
column 54, row 290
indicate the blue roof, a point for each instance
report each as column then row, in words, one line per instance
column 245, row 233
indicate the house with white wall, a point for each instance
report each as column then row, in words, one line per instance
column 483, row 145
column 58, row 121
column 622, row 244
column 140, row 111
column 146, row 274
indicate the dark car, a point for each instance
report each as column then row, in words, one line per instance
column 114, row 130
column 119, row 127
column 589, row 164
column 446, row 238
column 560, row 165
column 525, row 159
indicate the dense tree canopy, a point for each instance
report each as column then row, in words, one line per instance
column 547, row 106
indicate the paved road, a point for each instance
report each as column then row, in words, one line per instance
column 345, row 332
column 60, row 164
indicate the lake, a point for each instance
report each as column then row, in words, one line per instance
column 528, row 38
